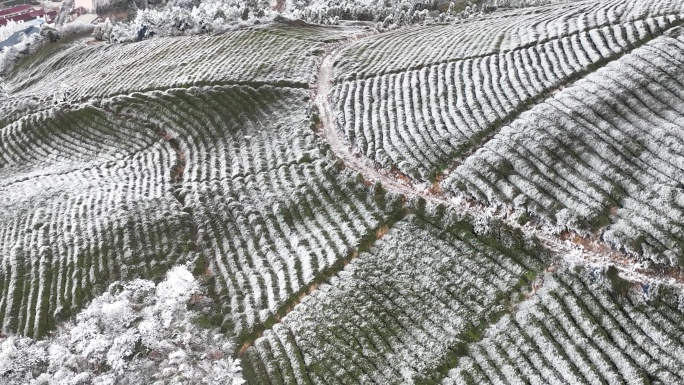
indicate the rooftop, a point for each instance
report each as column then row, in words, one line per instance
column 88, row 18
column 17, row 9
column 16, row 37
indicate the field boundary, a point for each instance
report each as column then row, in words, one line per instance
column 378, row 233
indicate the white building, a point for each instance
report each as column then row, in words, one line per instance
column 87, row 4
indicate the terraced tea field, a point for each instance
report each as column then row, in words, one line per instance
column 272, row 211
column 78, row 73
column 494, row 200
column 549, row 341
column 430, row 290
column 604, row 153
column 86, row 199
column 419, row 113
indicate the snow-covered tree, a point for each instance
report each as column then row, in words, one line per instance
column 9, row 56
column 137, row 332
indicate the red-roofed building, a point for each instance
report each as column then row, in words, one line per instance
column 26, row 13
column 15, row 10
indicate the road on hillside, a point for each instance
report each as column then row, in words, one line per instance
column 571, row 248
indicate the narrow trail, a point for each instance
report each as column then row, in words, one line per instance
column 570, row 247
column 324, row 85
column 176, row 172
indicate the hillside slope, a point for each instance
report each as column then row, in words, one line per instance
column 496, row 200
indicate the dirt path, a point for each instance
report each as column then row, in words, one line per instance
column 569, row 246
column 339, row 145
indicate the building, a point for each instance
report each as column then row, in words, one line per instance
column 32, row 27
column 88, row 18
column 25, row 13
column 12, row 3
column 15, row 11
column 87, row 4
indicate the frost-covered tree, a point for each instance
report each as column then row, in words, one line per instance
column 175, row 20
column 103, row 31
column 9, row 56
column 182, row 17
column 523, row 3
column 135, row 333
column 8, row 29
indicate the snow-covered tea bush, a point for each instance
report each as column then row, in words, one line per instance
column 601, row 154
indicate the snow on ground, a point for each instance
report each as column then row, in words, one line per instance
column 135, row 333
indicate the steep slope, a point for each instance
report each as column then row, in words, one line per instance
column 329, row 261
column 428, row 102
column 604, row 152
column 582, row 328
column 401, row 311
column 499, row 32
column 272, row 212
column 77, row 72
column 86, row 198
column 126, row 186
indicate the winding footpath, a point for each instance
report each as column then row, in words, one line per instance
column 569, row 247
